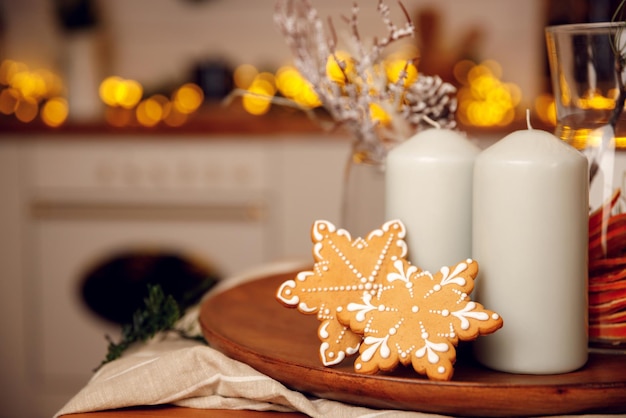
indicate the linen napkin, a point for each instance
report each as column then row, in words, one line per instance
column 172, row 370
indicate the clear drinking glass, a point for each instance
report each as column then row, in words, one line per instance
column 587, row 64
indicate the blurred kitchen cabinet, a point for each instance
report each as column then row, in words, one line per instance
column 67, row 203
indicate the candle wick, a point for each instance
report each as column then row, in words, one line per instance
column 431, row 122
column 528, row 119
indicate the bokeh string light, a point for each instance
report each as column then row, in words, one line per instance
column 126, row 105
column 26, row 94
column 484, row 99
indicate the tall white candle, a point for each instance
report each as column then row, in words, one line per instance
column 530, row 231
column 429, row 188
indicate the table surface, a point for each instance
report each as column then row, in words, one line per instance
column 169, row 411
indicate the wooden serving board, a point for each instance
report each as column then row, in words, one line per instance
column 248, row 324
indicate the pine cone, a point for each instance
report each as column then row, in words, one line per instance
column 432, row 98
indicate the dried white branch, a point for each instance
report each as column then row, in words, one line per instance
column 426, row 101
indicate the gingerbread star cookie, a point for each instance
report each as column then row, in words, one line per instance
column 344, row 270
column 417, row 318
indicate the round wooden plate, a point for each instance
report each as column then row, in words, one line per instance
column 248, row 324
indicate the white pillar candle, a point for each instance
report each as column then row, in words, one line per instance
column 530, row 231
column 429, row 188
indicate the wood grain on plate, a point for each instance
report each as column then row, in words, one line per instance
column 248, row 324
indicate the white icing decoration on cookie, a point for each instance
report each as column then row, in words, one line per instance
column 330, row 358
column 302, row 276
column 284, row 293
column 447, row 277
column 431, row 349
column 320, row 226
column 362, row 309
column 375, row 233
column 343, row 232
column 303, row 307
column 323, row 331
column 375, row 344
column 466, row 312
column 401, row 273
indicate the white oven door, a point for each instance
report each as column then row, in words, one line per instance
column 90, row 200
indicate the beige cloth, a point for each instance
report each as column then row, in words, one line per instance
column 187, row 373
column 173, row 370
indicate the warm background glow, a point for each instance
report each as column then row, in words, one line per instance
column 485, row 99
column 26, row 94
column 127, row 106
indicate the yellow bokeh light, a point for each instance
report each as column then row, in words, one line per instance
column 107, row 90
column 545, row 108
column 116, row 91
column 188, row 98
column 26, row 109
column 307, row 96
column 595, row 100
column 54, row 112
column 149, row 112
column 339, row 67
column 259, row 100
column 22, row 83
column 395, row 68
column 484, row 100
column 292, row 85
column 8, row 100
column 128, row 93
column 267, row 76
column 379, row 115
column 482, row 85
column 244, row 75
column 288, row 81
column 479, row 71
column 23, row 92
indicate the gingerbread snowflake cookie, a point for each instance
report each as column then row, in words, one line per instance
column 344, row 270
column 417, row 318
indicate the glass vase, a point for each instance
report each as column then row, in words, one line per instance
column 363, row 205
column 587, row 72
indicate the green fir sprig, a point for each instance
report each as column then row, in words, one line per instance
column 160, row 313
